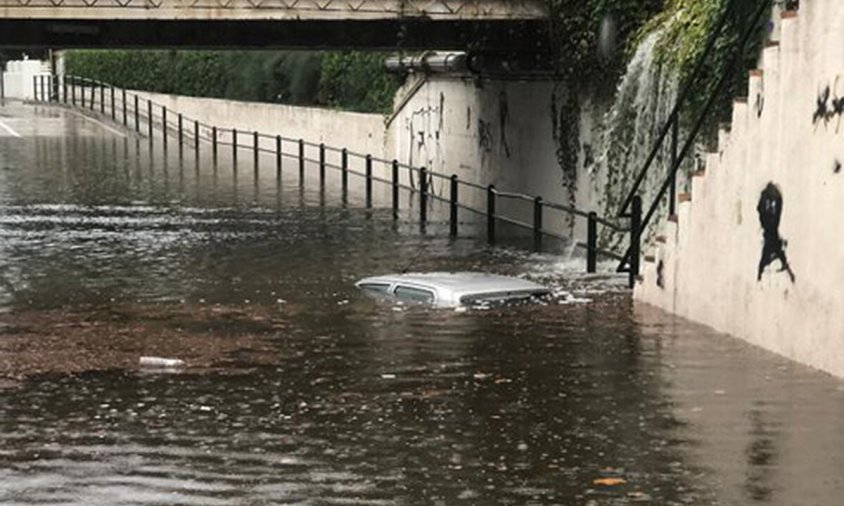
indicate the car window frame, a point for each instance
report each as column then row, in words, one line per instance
column 367, row 287
column 429, row 291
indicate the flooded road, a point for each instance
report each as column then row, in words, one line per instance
column 300, row 390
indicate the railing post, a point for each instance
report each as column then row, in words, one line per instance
column 395, row 189
column 164, row 126
column 113, row 112
column 278, row 156
column 64, row 88
column 73, row 91
column 301, row 161
column 423, row 195
column 180, row 132
column 452, row 206
column 635, row 238
column 196, row 139
column 672, row 204
column 368, row 181
column 125, row 111
column 255, row 152
column 592, row 243
column 234, row 148
column 81, row 93
column 537, row 223
column 149, row 118
column 214, row 144
column 344, row 168
column 321, row 165
column 137, row 115
column 102, row 98
column 490, row 214
column 93, row 95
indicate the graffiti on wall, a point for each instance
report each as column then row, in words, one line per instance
column 423, row 127
column 829, row 106
column 484, row 135
column 503, row 119
column 770, row 213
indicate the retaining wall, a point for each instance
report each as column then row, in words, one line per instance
column 362, row 133
column 757, row 248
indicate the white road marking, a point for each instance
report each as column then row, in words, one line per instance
column 100, row 123
column 9, row 129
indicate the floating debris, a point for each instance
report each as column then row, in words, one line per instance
column 161, row 362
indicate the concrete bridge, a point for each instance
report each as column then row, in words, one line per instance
column 488, row 25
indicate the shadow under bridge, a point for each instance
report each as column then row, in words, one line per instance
column 480, row 25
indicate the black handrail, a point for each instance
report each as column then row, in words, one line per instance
column 734, row 63
column 674, row 117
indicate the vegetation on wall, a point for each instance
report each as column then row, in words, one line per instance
column 347, row 80
column 596, row 39
column 686, row 25
column 593, row 38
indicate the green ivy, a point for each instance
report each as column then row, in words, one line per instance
column 576, row 25
column 686, row 25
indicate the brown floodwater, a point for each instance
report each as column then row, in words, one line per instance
column 299, row 389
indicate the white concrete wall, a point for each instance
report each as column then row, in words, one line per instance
column 18, row 77
column 491, row 132
column 362, row 133
column 789, row 134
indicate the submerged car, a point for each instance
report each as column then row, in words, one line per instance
column 453, row 288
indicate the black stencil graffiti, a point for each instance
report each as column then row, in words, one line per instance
column 770, row 212
column 484, row 135
column 760, row 105
column 836, row 168
column 660, row 280
column 829, row 106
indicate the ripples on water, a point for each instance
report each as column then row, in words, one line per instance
column 364, row 401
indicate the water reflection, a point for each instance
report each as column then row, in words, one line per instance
column 304, row 391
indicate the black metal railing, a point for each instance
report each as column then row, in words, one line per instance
column 630, row 208
column 135, row 113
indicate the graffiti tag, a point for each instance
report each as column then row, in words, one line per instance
column 484, row 135
column 829, row 105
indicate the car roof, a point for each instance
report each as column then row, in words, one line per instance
column 459, row 283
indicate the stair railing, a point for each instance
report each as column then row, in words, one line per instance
column 628, row 263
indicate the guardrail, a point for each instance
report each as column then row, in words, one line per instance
column 145, row 117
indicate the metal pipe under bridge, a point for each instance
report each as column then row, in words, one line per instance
column 479, row 25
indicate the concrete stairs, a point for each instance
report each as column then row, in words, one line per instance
column 662, row 257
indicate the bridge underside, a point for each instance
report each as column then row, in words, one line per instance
column 410, row 34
